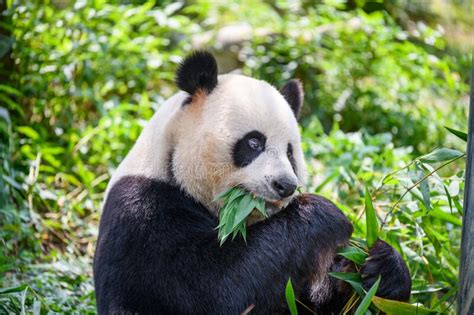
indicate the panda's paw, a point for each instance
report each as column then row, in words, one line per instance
column 384, row 260
column 324, row 216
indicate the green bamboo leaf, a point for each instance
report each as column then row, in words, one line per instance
column 246, row 205
column 450, row 200
column 372, row 225
column 353, row 254
column 354, row 279
column 227, row 193
column 364, row 305
column 236, row 231
column 243, row 232
column 440, row 155
column 395, row 307
column 424, row 188
column 261, row 207
column 19, row 288
column 224, row 214
column 347, row 276
column 458, row 206
column 290, row 298
column 461, row 135
column 448, row 217
column 238, row 205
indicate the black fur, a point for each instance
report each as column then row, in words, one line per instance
column 198, row 71
column 294, row 95
column 384, row 260
column 339, row 292
column 242, row 153
column 158, row 253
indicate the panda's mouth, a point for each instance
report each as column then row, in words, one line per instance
column 272, row 205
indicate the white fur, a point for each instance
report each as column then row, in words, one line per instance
column 202, row 135
column 148, row 156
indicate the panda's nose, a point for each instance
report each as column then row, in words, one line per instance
column 284, row 187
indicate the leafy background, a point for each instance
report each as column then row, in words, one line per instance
column 79, row 79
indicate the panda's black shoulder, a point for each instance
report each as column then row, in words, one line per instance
column 146, row 217
column 143, row 222
column 141, row 195
column 140, row 204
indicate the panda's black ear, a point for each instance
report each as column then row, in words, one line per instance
column 198, row 71
column 294, row 95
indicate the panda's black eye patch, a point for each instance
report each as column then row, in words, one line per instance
column 248, row 148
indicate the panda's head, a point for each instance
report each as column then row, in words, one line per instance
column 233, row 130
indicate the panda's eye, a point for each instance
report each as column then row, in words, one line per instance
column 248, row 148
column 255, row 144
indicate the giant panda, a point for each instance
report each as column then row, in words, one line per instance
column 157, row 250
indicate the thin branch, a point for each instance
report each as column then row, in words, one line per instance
column 310, row 310
column 416, row 184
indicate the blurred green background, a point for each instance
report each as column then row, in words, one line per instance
column 79, row 79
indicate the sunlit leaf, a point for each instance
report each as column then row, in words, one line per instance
column 440, row 155
column 372, row 224
column 399, row 308
column 365, row 303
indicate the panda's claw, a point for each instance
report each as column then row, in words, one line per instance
column 385, row 261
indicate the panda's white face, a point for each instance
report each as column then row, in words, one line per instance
column 243, row 133
column 220, row 132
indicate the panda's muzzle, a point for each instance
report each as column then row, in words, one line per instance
column 284, row 187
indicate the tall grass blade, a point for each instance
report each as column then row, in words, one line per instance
column 372, row 225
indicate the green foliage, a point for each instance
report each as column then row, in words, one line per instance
column 290, row 298
column 78, row 80
column 426, row 231
column 354, row 279
column 461, row 135
column 397, row 307
column 238, row 205
column 354, row 254
column 360, row 70
column 372, row 225
column 365, row 303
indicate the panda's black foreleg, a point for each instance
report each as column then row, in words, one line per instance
column 288, row 245
column 384, row 260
